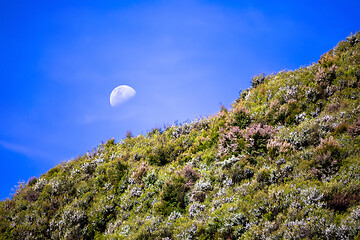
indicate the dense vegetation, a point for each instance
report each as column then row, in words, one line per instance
column 282, row 163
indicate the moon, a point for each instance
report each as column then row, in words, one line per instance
column 121, row 94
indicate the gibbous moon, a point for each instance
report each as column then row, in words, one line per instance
column 121, row 94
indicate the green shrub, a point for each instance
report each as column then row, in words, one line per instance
column 342, row 128
column 240, row 117
column 173, row 196
column 240, row 171
column 115, row 173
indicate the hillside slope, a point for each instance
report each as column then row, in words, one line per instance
column 282, row 163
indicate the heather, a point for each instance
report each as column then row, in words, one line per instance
column 282, row 163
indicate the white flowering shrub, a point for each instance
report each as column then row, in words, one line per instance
column 40, row 184
column 203, row 185
column 195, row 209
column 136, row 192
column 89, row 167
column 173, row 216
column 187, row 233
column 183, row 129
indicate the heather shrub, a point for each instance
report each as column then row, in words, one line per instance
column 256, row 137
column 276, row 147
column 31, row 195
column 354, row 129
column 324, row 78
column 190, row 175
column 140, row 172
column 231, row 141
column 340, row 197
column 328, row 59
column 341, row 128
column 326, row 158
column 333, row 107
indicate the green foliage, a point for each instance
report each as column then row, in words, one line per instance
column 174, row 190
column 240, row 117
column 172, row 196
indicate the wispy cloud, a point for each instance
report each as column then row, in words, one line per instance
column 24, row 150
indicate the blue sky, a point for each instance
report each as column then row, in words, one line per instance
column 60, row 60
